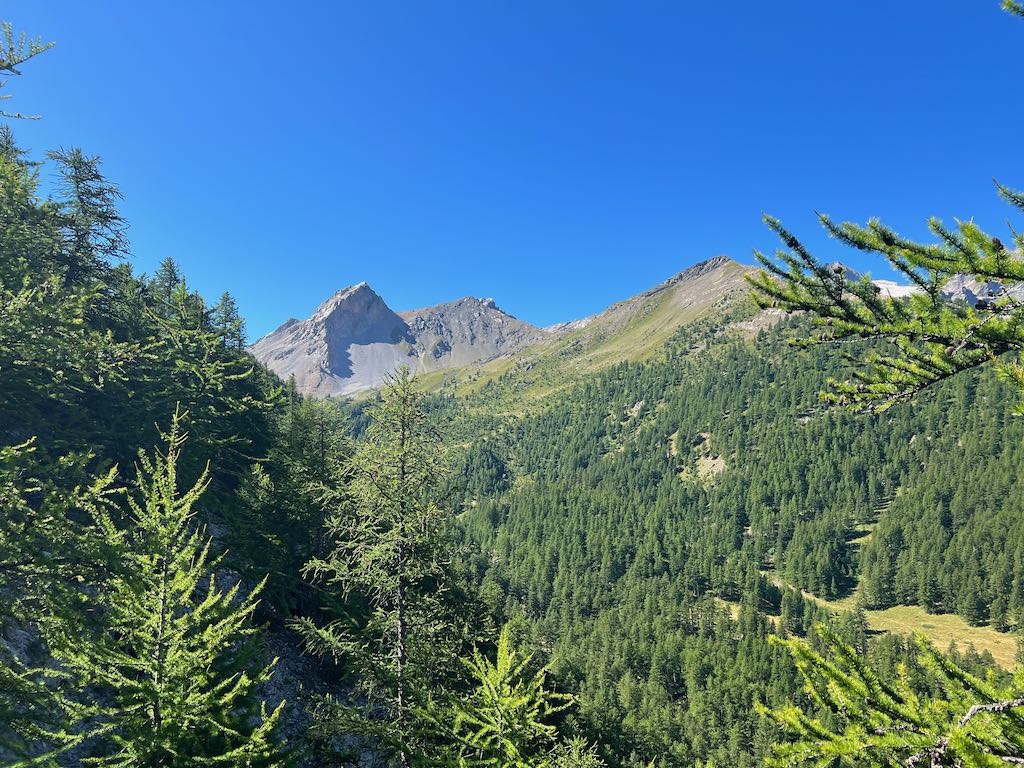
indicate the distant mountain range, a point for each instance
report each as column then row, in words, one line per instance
column 960, row 288
column 354, row 340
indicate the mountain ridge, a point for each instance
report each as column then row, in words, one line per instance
column 354, row 339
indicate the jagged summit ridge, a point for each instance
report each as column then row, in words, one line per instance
column 701, row 268
column 353, row 340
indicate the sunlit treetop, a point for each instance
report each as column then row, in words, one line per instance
column 15, row 51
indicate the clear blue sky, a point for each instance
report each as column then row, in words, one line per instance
column 557, row 156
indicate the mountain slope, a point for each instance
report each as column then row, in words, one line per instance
column 638, row 326
column 630, row 330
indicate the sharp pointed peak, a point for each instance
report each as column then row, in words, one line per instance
column 356, row 288
column 351, row 290
column 360, row 294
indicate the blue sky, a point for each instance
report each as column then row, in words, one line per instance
column 557, row 156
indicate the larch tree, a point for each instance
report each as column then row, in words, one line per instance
column 505, row 720
column 281, row 514
column 228, row 322
column 164, row 283
column 390, row 551
column 156, row 668
column 93, row 227
column 15, row 50
column 859, row 718
column 931, row 336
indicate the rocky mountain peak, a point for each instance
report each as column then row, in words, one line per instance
column 360, row 295
column 353, row 340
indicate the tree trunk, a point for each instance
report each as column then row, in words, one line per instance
column 400, row 652
column 400, row 602
column 161, row 650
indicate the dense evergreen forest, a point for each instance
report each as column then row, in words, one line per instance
column 660, row 582
column 198, row 566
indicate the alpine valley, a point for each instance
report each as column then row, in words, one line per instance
column 754, row 515
column 655, row 491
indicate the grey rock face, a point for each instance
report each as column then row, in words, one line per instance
column 354, row 340
column 964, row 288
column 467, row 330
column 970, row 290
